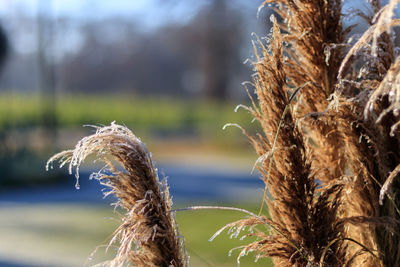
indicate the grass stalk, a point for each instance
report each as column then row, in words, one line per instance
column 148, row 235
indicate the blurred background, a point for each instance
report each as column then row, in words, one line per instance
column 170, row 70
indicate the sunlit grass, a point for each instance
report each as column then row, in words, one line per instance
column 66, row 234
column 51, row 234
column 198, row 226
column 142, row 114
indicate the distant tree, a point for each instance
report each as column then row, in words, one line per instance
column 220, row 47
column 201, row 57
column 4, row 47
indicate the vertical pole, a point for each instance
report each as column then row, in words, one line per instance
column 46, row 70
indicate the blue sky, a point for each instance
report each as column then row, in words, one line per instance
column 147, row 14
column 150, row 13
column 79, row 7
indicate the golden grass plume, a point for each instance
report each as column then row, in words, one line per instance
column 148, row 235
column 329, row 152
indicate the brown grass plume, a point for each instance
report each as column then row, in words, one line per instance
column 329, row 150
column 329, row 153
column 148, row 235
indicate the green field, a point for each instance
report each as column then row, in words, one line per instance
column 143, row 114
column 66, row 234
column 158, row 121
column 198, row 226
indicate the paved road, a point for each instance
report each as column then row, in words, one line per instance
column 186, row 184
column 10, row 264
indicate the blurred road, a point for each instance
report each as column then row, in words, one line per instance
column 187, row 184
column 10, row 264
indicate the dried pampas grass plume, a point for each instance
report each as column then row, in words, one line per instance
column 329, row 149
column 327, row 169
column 148, row 235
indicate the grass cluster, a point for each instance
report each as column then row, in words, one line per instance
column 329, row 149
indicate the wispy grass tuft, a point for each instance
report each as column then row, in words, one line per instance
column 148, row 235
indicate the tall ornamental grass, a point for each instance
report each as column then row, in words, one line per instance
column 328, row 103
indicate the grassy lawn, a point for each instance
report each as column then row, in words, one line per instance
column 66, row 234
column 177, row 126
column 198, row 226
column 161, row 115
